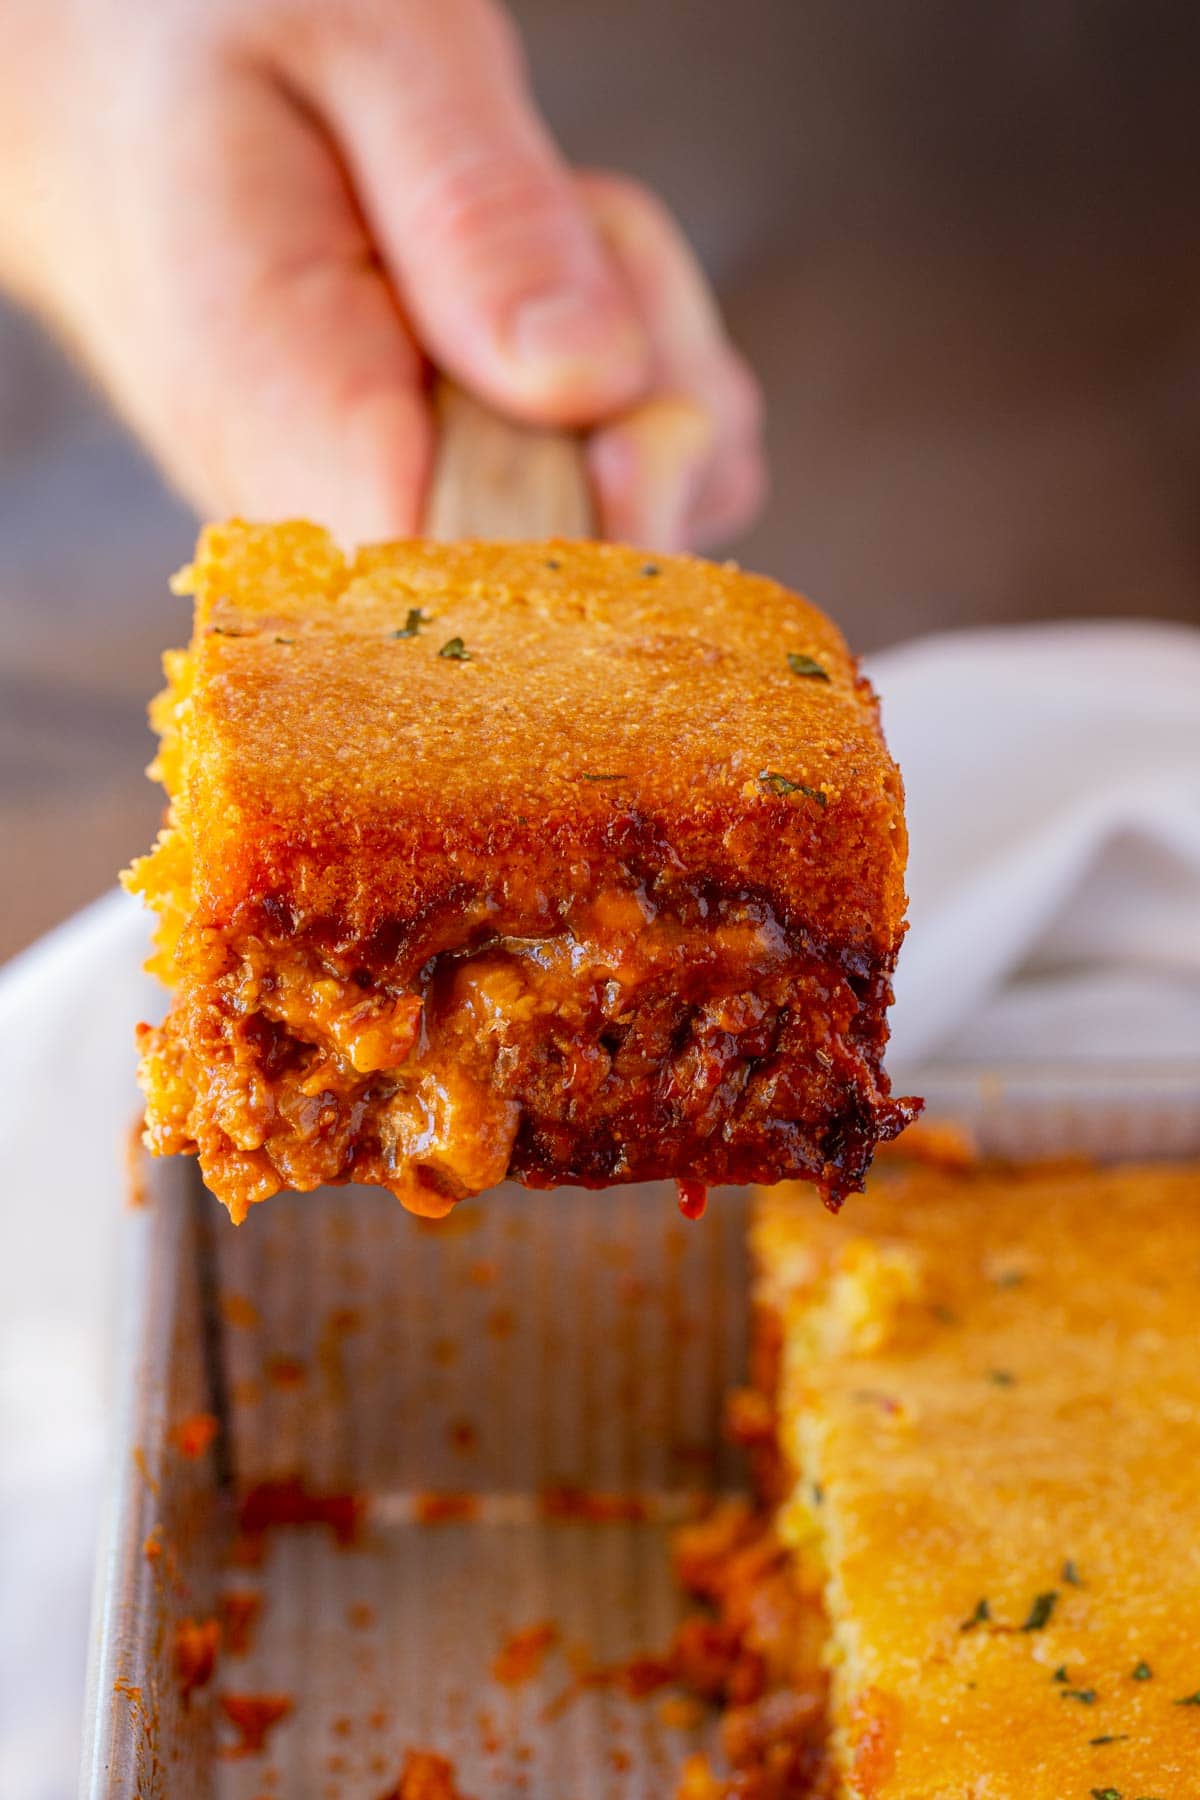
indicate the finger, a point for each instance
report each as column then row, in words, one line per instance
column 662, row 480
column 733, row 487
column 681, row 486
column 646, row 472
column 729, row 500
column 498, row 263
column 294, row 384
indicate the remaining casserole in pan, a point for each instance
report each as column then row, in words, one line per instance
column 978, row 1428
column 549, row 860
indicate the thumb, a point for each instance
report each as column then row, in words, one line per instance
column 496, row 260
column 275, row 375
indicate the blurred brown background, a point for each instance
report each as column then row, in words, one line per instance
column 959, row 241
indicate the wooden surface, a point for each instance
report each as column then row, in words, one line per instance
column 493, row 478
column 960, row 243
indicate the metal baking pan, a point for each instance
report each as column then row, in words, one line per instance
column 498, row 1420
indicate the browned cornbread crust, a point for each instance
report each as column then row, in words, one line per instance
column 984, row 1397
column 527, row 859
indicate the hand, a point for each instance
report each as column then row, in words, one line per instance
column 257, row 222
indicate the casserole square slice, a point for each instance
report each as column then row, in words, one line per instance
column 986, row 1429
column 550, row 861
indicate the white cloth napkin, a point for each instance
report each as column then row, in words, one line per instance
column 1053, row 782
column 1053, row 779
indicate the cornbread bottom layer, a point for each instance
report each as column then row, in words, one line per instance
column 976, row 1425
column 629, row 1044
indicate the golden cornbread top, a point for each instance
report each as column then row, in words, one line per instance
column 383, row 737
column 993, row 1381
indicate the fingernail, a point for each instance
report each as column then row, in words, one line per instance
column 570, row 340
column 639, row 504
column 667, row 509
column 613, row 461
column 648, row 470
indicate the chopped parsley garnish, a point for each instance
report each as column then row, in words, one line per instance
column 552, row 562
column 225, row 631
column 283, row 640
column 1106, row 1794
column 800, row 664
column 980, row 1616
column 1060, row 1674
column 818, row 1494
column 1085, row 1696
column 1010, row 1278
column 1190, row 1699
column 1002, row 1378
column 454, row 650
column 1071, row 1574
column 618, row 775
column 780, row 784
column 1040, row 1611
column 1111, row 1737
column 413, row 623
column 1143, row 1672
column 651, row 568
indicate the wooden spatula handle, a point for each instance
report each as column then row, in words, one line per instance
column 493, row 478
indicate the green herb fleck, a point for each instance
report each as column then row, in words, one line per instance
column 1040, row 1611
column 1002, row 1378
column 1060, row 1674
column 651, row 568
column 413, row 623
column 782, row 785
column 818, row 1494
column 1071, row 1574
column 1111, row 1737
column 1189, row 1699
column 800, row 664
column 943, row 1315
column 454, row 650
column 980, row 1616
column 778, row 784
column 1010, row 1278
column 283, row 640
column 225, row 631
column 1106, row 1794
column 1143, row 1672
column 1085, row 1696
column 618, row 775
column 552, row 562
